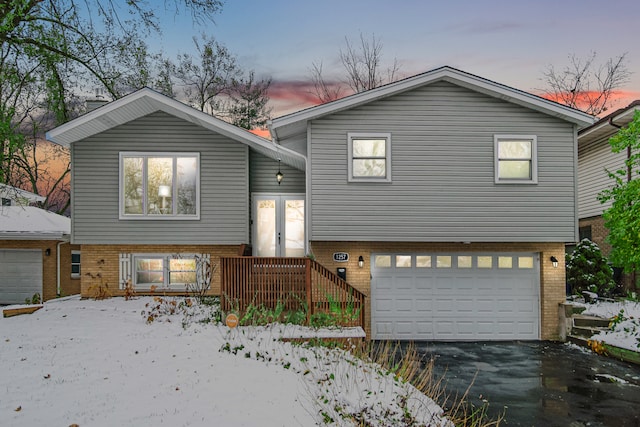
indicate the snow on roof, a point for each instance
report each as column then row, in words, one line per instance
column 31, row 223
column 14, row 193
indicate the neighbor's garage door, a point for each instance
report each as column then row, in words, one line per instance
column 455, row 296
column 20, row 275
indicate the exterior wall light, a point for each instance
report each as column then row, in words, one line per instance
column 360, row 261
column 47, row 252
column 279, row 175
column 554, row 262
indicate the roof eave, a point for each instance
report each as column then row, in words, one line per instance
column 67, row 134
column 298, row 120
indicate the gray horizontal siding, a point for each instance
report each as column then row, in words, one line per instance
column 594, row 159
column 224, row 211
column 297, row 143
column 442, row 185
column 263, row 176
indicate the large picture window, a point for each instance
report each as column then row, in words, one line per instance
column 515, row 159
column 159, row 185
column 370, row 157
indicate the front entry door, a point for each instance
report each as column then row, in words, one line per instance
column 278, row 225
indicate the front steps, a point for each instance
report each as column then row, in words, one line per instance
column 578, row 328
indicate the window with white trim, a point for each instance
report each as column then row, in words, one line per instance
column 369, row 157
column 159, row 185
column 75, row 264
column 161, row 271
column 516, row 160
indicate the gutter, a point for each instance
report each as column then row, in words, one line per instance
column 58, row 287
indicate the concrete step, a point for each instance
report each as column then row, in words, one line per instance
column 586, row 331
column 577, row 309
column 590, row 321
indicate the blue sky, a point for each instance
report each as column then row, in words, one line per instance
column 511, row 42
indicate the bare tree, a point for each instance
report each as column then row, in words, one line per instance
column 208, row 75
column 362, row 63
column 585, row 85
column 325, row 91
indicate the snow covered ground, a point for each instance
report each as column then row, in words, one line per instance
column 98, row 363
column 626, row 331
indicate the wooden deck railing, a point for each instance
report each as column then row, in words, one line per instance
column 295, row 282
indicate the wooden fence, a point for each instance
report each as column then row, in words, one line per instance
column 298, row 283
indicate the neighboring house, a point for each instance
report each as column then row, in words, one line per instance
column 35, row 254
column 595, row 158
column 444, row 196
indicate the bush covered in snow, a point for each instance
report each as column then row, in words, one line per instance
column 587, row 270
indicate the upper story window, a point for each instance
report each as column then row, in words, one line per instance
column 370, row 157
column 515, row 159
column 159, row 185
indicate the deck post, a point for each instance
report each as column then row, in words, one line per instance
column 307, row 266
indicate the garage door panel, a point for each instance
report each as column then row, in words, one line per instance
column 404, row 306
column 466, row 305
column 404, row 282
column 455, row 303
column 424, row 306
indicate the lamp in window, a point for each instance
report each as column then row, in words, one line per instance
column 554, row 262
column 279, row 175
column 360, row 261
column 164, row 191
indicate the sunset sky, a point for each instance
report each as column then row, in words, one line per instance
column 511, row 42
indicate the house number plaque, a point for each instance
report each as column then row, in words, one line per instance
column 340, row 256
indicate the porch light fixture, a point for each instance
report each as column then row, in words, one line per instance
column 360, row 261
column 554, row 262
column 279, row 175
column 47, row 252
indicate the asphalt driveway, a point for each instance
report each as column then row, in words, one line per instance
column 541, row 383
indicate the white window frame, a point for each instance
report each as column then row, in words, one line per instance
column 369, row 135
column 166, row 272
column 79, row 264
column 534, row 158
column 146, row 216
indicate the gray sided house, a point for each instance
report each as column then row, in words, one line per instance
column 595, row 158
column 455, row 192
column 443, row 197
column 157, row 185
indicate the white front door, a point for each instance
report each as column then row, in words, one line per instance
column 278, row 225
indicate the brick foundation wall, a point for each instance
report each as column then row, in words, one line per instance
column 552, row 280
column 68, row 285
column 104, row 260
column 598, row 233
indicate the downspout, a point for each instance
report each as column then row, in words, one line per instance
column 58, row 287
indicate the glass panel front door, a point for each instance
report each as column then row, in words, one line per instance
column 278, row 225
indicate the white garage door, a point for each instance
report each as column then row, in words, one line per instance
column 20, row 275
column 455, row 297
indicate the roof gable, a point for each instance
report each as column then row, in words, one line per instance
column 295, row 123
column 146, row 101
